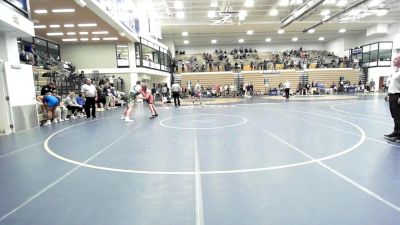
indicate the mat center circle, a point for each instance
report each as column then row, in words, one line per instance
column 203, row 121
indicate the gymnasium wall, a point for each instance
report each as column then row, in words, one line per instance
column 90, row 56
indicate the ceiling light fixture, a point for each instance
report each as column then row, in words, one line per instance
column 342, row 3
column 39, row 26
column 295, row 39
column 311, row 31
column 273, row 12
column 327, row 17
column 321, row 38
column 178, row 5
column 55, row 34
column 281, row 31
column 185, row 34
column 283, row 2
column 249, row 3
column 180, row 15
column 54, row 26
column 241, row 40
column 325, row 12
column 211, row 14
column 100, row 32
column 69, row 25
column 71, row 33
column 40, row 11
column 329, row 2
column 268, row 39
column 110, row 39
column 296, row 2
column 382, row 12
column 95, row 39
column 213, row 41
column 70, row 39
column 63, row 10
column 374, row 3
column 122, row 34
column 342, row 30
column 83, row 33
column 185, row 42
column 87, row 25
column 84, row 39
column 242, row 15
column 250, row 32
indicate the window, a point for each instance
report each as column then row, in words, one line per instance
column 122, row 54
column 385, row 53
column 53, row 50
column 152, row 56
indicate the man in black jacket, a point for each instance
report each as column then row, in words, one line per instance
column 49, row 88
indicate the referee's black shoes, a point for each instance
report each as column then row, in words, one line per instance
column 393, row 134
column 394, row 139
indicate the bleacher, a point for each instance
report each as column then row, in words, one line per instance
column 327, row 76
column 207, row 79
column 274, row 79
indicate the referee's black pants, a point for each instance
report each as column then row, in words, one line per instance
column 287, row 93
column 90, row 103
column 395, row 111
column 176, row 97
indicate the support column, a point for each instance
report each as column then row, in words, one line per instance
column 9, row 48
column 8, row 53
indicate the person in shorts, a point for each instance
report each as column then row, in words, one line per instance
column 130, row 101
column 150, row 100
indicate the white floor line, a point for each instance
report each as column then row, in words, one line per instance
column 344, row 131
column 199, row 193
column 21, row 149
column 359, row 118
column 345, row 178
column 30, row 146
column 48, row 187
column 332, row 107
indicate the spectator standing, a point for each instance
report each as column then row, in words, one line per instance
column 286, row 87
column 372, row 85
column 393, row 98
column 198, row 94
column 89, row 91
column 176, row 89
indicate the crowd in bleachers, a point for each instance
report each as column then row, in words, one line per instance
column 225, row 91
column 239, row 59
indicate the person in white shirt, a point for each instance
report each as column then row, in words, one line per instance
column 90, row 93
column 176, row 89
column 232, row 91
column 197, row 90
column 286, row 87
column 72, row 105
column 393, row 97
